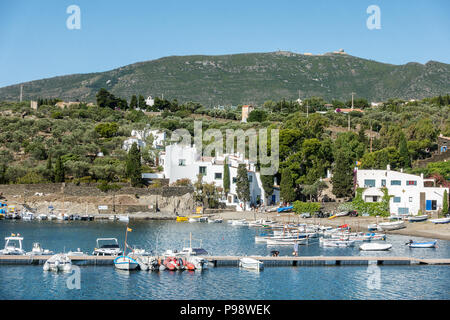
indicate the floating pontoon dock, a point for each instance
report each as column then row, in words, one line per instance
column 219, row 261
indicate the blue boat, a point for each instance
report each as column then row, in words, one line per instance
column 282, row 209
column 429, row 244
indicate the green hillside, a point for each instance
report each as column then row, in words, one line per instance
column 249, row 78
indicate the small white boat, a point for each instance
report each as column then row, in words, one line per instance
column 62, row 217
column 418, row 218
column 372, row 227
column 13, row 246
column 52, row 217
column 58, row 262
column 440, row 221
column 250, row 263
column 215, row 220
column 429, row 244
column 340, row 243
column 27, row 215
column 37, row 250
column 286, row 241
column 198, row 262
column 392, row 225
column 124, row 218
column 107, row 247
column 342, row 214
column 76, row 253
column 112, row 218
column 374, row 246
column 125, row 263
column 42, row 216
column 241, row 222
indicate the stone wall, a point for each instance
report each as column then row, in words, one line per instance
column 87, row 197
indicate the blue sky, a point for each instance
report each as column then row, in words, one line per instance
column 35, row 42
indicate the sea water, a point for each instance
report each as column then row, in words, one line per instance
column 278, row 282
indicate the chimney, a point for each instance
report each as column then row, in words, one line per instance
column 388, row 167
column 401, row 170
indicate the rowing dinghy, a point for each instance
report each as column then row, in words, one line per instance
column 440, row 221
column 429, row 244
column 373, row 246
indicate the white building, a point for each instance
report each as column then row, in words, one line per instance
column 139, row 137
column 149, row 101
column 183, row 162
column 408, row 191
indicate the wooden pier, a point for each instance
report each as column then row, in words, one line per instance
column 219, row 261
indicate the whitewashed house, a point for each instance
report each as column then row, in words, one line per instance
column 183, row 162
column 139, row 137
column 409, row 192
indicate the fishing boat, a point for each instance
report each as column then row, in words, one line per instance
column 58, row 262
column 125, row 262
column 250, row 263
column 418, row 218
column 240, row 222
column 194, row 218
column 375, row 246
column 110, row 248
column 13, row 245
column 112, row 218
column 286, row 241
column 42, row 216
column 285, row 209
column 372, row 227
column 429, row 244
column 124, row 218
column 182, row 219
column 395, row 225
column 76, row 253
column 440, row 221
column 37, row 250
column 342, row 214
column 27, row 215
column 341, row 243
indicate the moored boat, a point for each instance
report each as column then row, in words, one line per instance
column 125, row 263
column 375, row 246
column 107, row 247
column 428, row 244
column 11, row 247
column 37, row 250
column 58, row 262
column 418, row 218
column 395, row 225
column 440, row 221
column 341, row 243
column 250, row 263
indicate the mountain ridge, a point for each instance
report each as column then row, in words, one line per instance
column 248, row 78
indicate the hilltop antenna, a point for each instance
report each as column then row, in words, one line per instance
column 352, row 99
column 21, row 92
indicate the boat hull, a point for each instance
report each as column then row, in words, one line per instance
column 125, row 263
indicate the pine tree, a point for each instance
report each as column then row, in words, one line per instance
column 445, row 203
column 267, row 184
column 133, row 102
column 242, row 184
column 226, row 177
column 342, row 175
column 405, row 158
column 287, row 186
column 59, row 170
column 141, row 103
column 133, row 166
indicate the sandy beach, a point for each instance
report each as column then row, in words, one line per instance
column 424, row 229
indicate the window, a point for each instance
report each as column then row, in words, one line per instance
column 403, row 210
column 202, row 170
column 250, row 179
column 369, row 183
column 396, row 183
column 234, row 179
column 218, row 175
column 411, row 183
column 397, row 199
column 383, row 182
column 181, row 162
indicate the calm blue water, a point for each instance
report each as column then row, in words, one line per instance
column 105, row 282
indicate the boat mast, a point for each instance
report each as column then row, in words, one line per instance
column 125, row 246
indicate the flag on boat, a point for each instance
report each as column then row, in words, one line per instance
column 129, row 229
